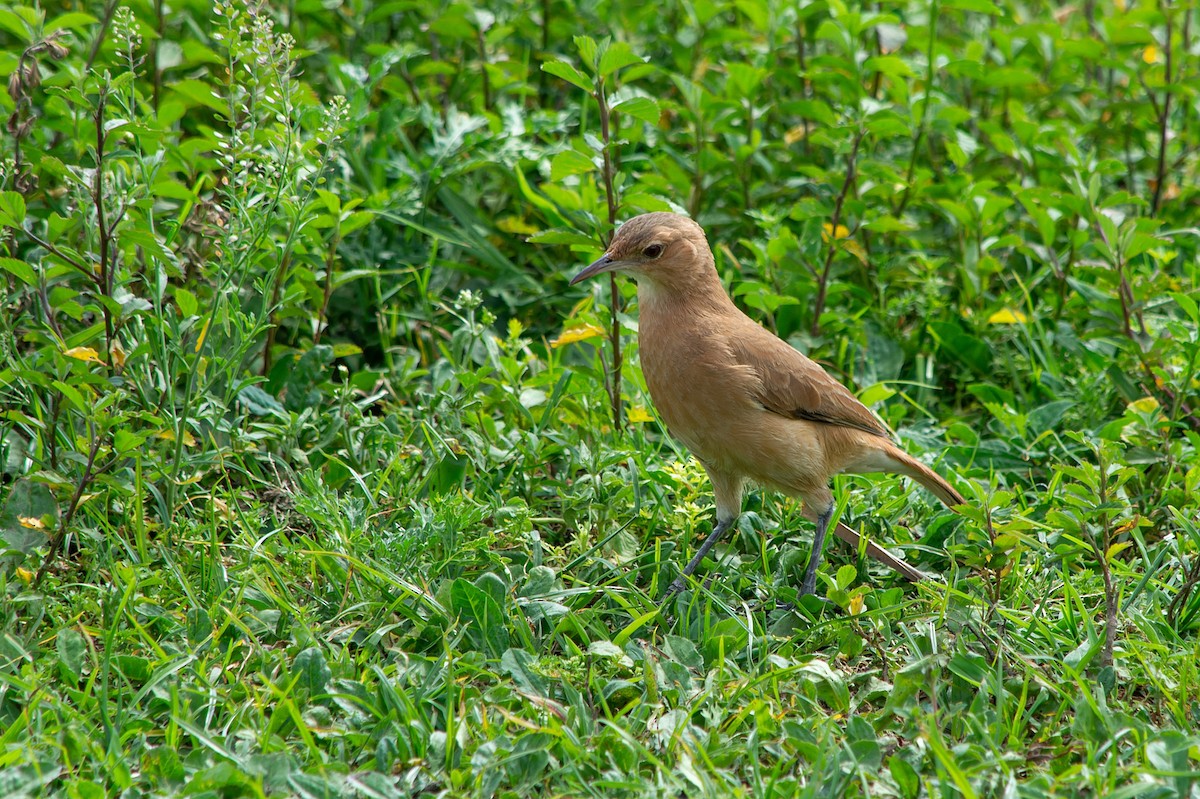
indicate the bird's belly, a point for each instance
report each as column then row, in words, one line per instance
column 727, row 429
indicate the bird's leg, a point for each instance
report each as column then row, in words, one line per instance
column 719, row 530
column 809, row 586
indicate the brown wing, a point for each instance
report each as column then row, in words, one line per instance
column 796, row 387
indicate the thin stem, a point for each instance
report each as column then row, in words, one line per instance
column 610, row 195
column 1163, row 117
column 107, row 270
column 1110, row 594
column 60, row 535
column 823, row 281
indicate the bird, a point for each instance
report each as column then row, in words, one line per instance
column 748, row 405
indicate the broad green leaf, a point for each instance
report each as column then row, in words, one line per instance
column 1188, row 304
column 21, row 270
column 28, row 516
column 588, row 50
column 200, row 93
column 75, row 20
column 72, row 651
column 570, row 162
column 16, row 26
column 617, row 56
column 186, row 300
column 570, row 74
column 259, row 402
column 978, row 6
column 564, row 237
column 889, row 65
column 12, row 209
column 312, row 670
column 643, row 108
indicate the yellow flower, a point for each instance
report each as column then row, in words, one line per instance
column 574, row 334
column 1150, row 54
column 827, row 232
column 1007, row 316
column 639, row 415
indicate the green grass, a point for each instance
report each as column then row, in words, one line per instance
column 310, row 480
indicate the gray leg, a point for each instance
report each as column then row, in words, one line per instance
column 721, row 528
column 809, row 586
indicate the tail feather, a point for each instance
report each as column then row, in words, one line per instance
column 909, row 466
column 907, row 571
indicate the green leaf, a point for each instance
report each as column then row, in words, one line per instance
column 313, row 670
column 186, row 300
column 978, row 6
column 889, row 65
column 560, row 236
column 15, row 25
column 19, row 269
column 570, row 74
column 683, row 651
column 1188, row 304
column 12, row 209
column 905, row 776
column 259, row 402
column 75, row 21
column 642, row 108
column 617, row 56
column 200, row 93
column 481, row 615
column 125, row 440
column 72, row 394
column 570, row 162
column 72, row 651
column 355, row 221
column 588, row 49
column 27, row 500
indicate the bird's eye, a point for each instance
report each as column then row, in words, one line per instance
column 653, row 251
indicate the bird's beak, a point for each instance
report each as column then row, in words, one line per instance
column 604, row 264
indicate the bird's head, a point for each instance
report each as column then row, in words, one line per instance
column 663, row 249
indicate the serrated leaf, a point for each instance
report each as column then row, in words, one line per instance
column 587, row 49
column 617, row 56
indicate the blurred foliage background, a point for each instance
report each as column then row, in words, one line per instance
column 316, row 478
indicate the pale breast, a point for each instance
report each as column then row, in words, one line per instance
column 709, row 403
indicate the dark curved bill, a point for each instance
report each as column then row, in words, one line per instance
column 600, row 266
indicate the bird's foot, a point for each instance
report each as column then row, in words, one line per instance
column 674, row 588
